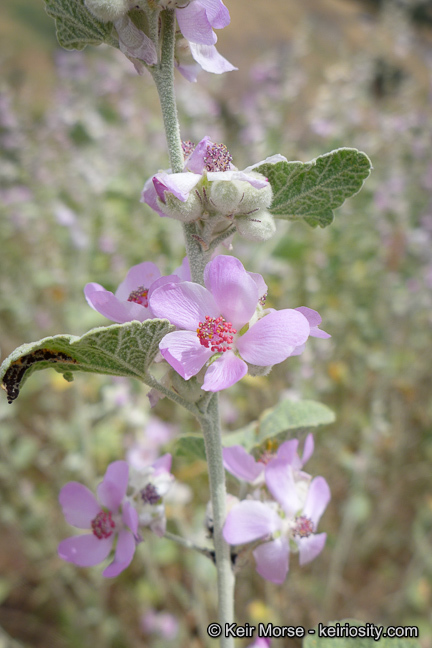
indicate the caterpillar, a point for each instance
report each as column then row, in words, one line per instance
column 15, row 373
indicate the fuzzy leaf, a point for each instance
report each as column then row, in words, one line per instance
column 315, row 641
column 191, row 447
column 76, row 27
column 311, row 190
column 279, row 422
column 117, row 350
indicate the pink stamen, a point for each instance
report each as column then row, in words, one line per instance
column 103, row 525
column 216, row 334
column 304, row 526
column 218, row 158
column 139, row 296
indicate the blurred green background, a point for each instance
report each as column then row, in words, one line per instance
column 80, row 132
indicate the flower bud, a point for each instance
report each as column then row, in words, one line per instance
column 185, row 212
column 107, row 10
column 259, row 226
column 225, row 196
column 254, row 198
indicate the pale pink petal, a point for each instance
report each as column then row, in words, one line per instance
column 314, row 320
column 241, row 464
column 140, row 275
column 317, row 499
column 190, row 72
column 310, row 547
column 209, row 59
column 224, row 372
column 179, row 184
column 149, row 196
column 184, row 352
column 161, row 282
column 281, row 484
column 250, row 520
column 272, row 339
column 108, row 305
column 217, row 13
column 130, row 518
column 183, row 271
column 112, row 489
column 272, row 560
column 261, row 284
column 85, row 550
column 234, row 291
column 184, row 304
column 163, row 464
column 194, row 24
column 273, row 159
column 229, row 176
column 123, row 555
column 133, row 42
column 195, row 161
column 79, row 505
column 288, row 450
column 308, row 448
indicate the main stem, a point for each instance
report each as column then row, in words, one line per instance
column 163, row 75
column 225, row 578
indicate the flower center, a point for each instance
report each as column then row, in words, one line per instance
column 217, row 158
column 103, row 525
column 139, row 296
column 216, row 334
column 304, row 526
column 150, row 495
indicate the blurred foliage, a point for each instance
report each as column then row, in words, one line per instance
column 79, row 134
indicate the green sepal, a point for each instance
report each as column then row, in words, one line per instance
column 311, row 190
column 76, row 27
column 117, row 350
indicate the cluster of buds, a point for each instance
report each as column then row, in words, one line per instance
column 211, row 188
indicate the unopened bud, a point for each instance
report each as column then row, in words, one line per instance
column 259, row 226
column 225, row 196
column 185, row 212
column 107, row 10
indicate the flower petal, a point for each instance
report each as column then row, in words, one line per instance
column 79, row 505
column 224, row 372
column 234, row 291
column 112, row 489
column 209, row 59
column 85, row 550
column 179, row 184
column 317, row 499
column 142, row 274
column 314, row 320
column 130, row 517
column 281, row 484
column 184, row 352
column 124, row 553
column 250, row 520
column 272, row 560
column 217, row 13
column 194, row 24
column 272, row 339
column 184, row 304
column 241, row 464
column 195, row 161
column 108, row 305
column 308, row 448
column 310, row 547
column 163, row 464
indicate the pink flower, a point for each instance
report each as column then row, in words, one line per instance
column 112, row 517
column 131, row 299
column 292, row 516
column 197, row 21
column 224, row 325
column 245, row 467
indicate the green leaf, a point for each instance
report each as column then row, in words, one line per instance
column 118, row 350
column 191, row 447
column 370, row 641
column 279, row 422
column 313, row 189
column 76, row 27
